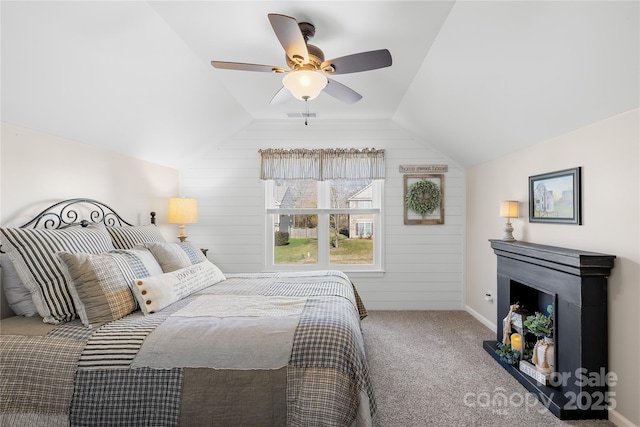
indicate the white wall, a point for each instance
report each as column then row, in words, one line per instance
column 608, row 152
column 38, row 170
column 423, row 263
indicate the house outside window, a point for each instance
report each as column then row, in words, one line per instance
column 328, row 224
column 361, row 225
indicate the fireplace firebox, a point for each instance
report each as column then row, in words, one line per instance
column 574, row 283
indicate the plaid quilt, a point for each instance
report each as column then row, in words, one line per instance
column 326, row 377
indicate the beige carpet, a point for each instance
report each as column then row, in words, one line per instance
column 429, row 369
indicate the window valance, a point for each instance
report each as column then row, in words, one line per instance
column 322, row 164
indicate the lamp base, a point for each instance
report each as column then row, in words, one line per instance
column 508, row 232
column 182, row 236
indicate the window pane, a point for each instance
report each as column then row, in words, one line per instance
column 299, row 193
column 351, row 239
column 309, row 235
column 351, row 193
column 296, row 239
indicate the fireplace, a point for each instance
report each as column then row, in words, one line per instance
column 574, row 283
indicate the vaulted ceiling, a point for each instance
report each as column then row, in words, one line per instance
column 473, row 79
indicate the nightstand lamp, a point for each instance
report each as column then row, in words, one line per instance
column 508, row 209
column 183, row 211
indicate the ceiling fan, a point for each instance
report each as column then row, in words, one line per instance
column 306, row 75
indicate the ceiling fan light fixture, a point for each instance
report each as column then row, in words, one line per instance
column 305, row 84
column 306, row 75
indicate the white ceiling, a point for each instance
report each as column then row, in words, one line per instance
column 473, row 79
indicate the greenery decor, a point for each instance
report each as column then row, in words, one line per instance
column 423, row 197
column 507, row 354
column 539, row 324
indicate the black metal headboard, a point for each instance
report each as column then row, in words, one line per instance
column 65, row 214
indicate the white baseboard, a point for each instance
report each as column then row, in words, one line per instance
column 619, row 420
column 486, row 322
column 614, row 416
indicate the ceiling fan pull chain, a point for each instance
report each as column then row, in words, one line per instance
column 306, row 110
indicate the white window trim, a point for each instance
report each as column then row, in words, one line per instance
column 376, row 269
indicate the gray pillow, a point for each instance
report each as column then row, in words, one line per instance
column 174, row 256
column 101, row 283
column 18, row 296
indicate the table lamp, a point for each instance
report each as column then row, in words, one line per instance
column 183, row 211
column 508, row 209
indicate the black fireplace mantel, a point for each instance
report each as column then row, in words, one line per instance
column 572, row 261
column 575, row 282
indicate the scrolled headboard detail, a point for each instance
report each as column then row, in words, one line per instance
column 77, row 212
column 65, row 214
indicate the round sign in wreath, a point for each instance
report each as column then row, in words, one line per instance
column 423, row 197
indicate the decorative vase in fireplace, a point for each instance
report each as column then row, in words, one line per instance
column 543, row 355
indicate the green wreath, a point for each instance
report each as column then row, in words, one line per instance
column 423, row 197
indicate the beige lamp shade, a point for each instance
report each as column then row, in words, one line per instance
column 509, row 209
column 183, row 211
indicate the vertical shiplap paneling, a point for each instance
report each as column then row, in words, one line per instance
column 423, row 263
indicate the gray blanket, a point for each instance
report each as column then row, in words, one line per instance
column 221, row 343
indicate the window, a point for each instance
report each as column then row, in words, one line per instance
column 316, row 223
column 364, row 229
column 323, row 229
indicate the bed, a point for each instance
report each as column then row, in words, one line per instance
column 117, row 327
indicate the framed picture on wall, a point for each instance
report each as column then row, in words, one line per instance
column 555, row 197
column 423, row 199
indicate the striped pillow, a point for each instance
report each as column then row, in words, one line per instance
column 33, row 253
column 128, row 237
column 174, row 256
column 101, row 287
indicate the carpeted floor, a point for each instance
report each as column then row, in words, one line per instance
column 429, row 369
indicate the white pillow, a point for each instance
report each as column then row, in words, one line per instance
column 157, row 292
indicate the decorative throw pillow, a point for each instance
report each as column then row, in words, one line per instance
column 33, row 253
column 18, row 296
column 157, row 292
column 174, row 256
column 101, row 287
column 127, row 237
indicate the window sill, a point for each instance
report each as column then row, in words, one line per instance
column 350, row 273
column 376, row 273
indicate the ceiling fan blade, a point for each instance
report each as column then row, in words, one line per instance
column 342, row 92
column 290, row 37
column 357, row 62
column 281, row 96
column 247, row 67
